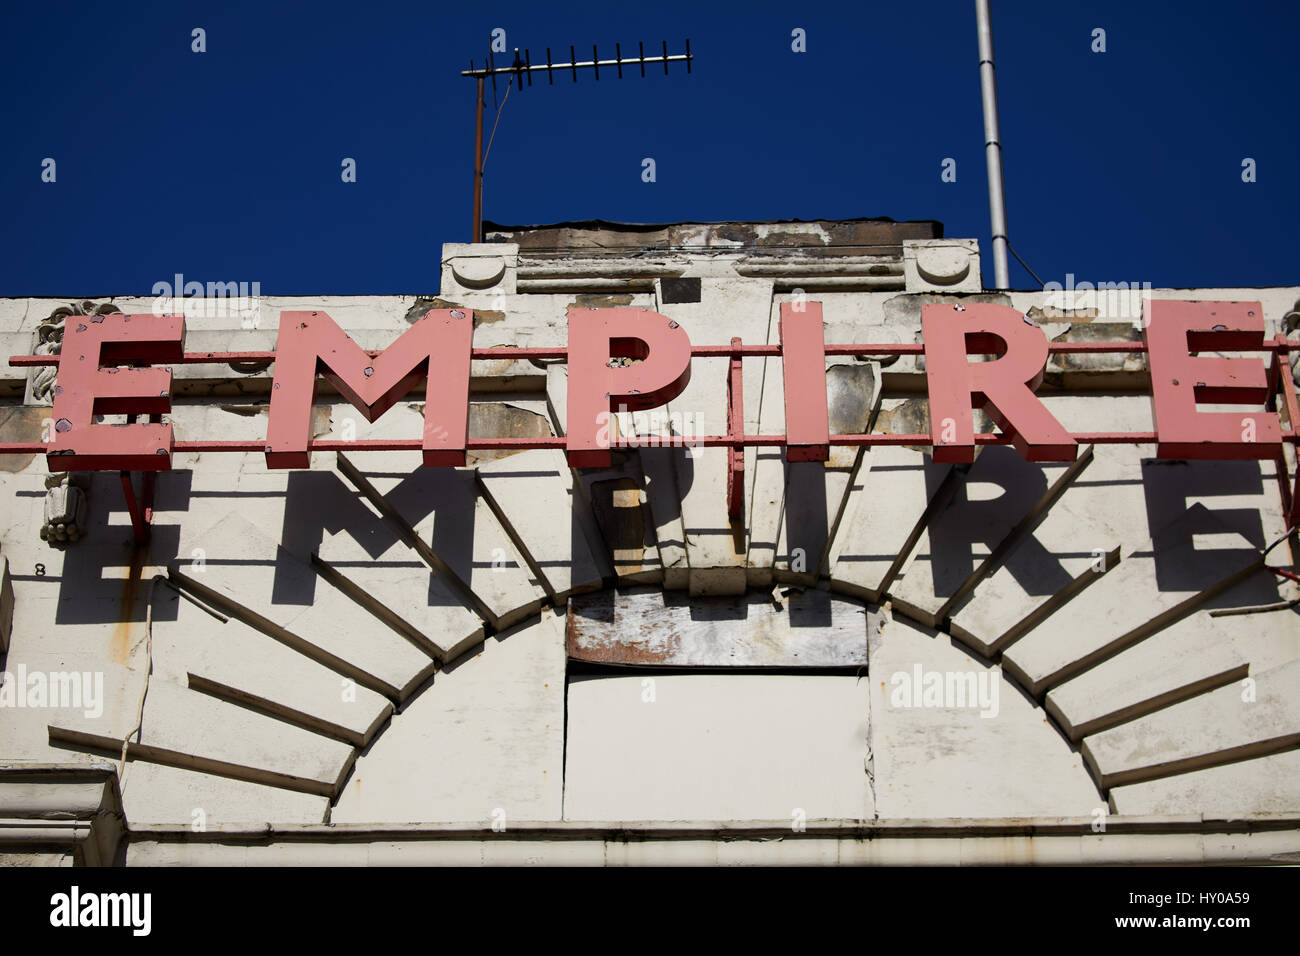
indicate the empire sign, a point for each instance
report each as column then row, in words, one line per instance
column 112, row 364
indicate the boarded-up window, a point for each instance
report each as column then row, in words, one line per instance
column 717, row 747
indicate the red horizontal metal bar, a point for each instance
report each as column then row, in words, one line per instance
column 506, row 352
column 707, row 441
column 231, row 358
column 698, row 351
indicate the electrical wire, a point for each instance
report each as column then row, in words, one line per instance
column 1026, row 266
column 483, row 165
column 144, row 693
column 1259, row 608
column 148, row 644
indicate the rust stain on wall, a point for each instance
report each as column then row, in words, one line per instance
column 595, row 631
column 119, row 646
column 593, row 301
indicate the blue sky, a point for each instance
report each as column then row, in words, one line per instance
column 225, row 165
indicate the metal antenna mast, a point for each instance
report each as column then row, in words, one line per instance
column 523, row 68
column 992, row 145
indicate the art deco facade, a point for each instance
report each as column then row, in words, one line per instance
column 876, row 658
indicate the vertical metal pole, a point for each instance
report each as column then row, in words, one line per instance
column 139, row 525
column 992, row 145
column 736, row 432
column 478, row 164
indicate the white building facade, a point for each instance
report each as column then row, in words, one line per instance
column 878, row 658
